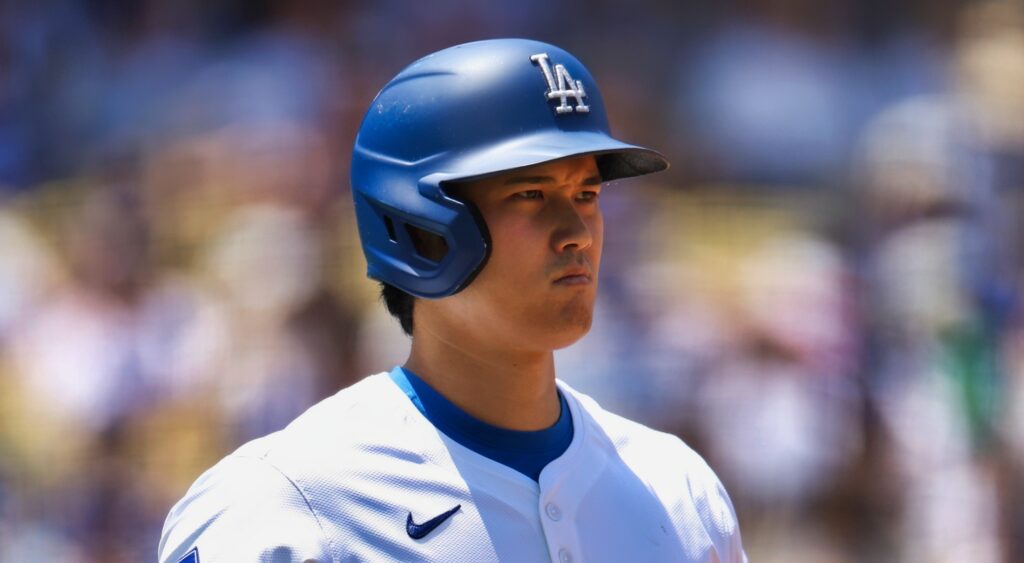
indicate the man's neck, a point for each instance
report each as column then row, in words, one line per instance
column 509, row 389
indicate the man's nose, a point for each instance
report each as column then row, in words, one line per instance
column 571, row 231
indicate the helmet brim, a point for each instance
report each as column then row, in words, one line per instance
column 615, row 159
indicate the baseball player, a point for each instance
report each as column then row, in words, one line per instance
column 476, row 174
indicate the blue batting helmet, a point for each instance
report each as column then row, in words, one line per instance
column 466, row 112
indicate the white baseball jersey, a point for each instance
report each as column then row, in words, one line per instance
column 364, row 476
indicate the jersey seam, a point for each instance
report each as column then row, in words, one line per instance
column 302, row 494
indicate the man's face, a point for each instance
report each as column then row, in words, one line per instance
column 537, row 290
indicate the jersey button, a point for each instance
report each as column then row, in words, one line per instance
column 553, row 512
column 564, row 556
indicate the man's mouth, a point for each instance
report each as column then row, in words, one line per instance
column 575, row 276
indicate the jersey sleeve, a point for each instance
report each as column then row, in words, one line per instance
column 700, row 498
column 243, row 509
column 733, row 541
column 716, row 510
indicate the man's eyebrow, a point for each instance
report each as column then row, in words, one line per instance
column 529, row 180
column 591, row 181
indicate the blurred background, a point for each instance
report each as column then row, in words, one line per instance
column 821, row 295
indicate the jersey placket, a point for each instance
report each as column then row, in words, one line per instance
column 563, row 486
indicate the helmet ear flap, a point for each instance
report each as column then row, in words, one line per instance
column 428, row 244
column 481, row 226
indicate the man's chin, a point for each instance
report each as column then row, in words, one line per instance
column 566, row 342
column 573, row 324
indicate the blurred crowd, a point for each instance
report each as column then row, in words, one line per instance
column 821, row 296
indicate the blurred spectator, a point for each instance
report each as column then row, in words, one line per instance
column 781, row 413
column 771, row 104
column 936, row 382
column 990, row 65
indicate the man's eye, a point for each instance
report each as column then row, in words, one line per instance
column 587, row 196
column 528, row 194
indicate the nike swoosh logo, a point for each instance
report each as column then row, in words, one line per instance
column 419, row 531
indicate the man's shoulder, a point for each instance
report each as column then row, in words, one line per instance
column 678, row 475
column 659, row 457
column 366, row 411
column 627, row 435
column 326, row 440
column 239, row 498
column 279, row 480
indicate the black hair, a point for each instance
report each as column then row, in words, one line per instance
column 399, row 304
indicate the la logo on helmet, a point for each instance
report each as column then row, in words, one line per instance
column 559, row 90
